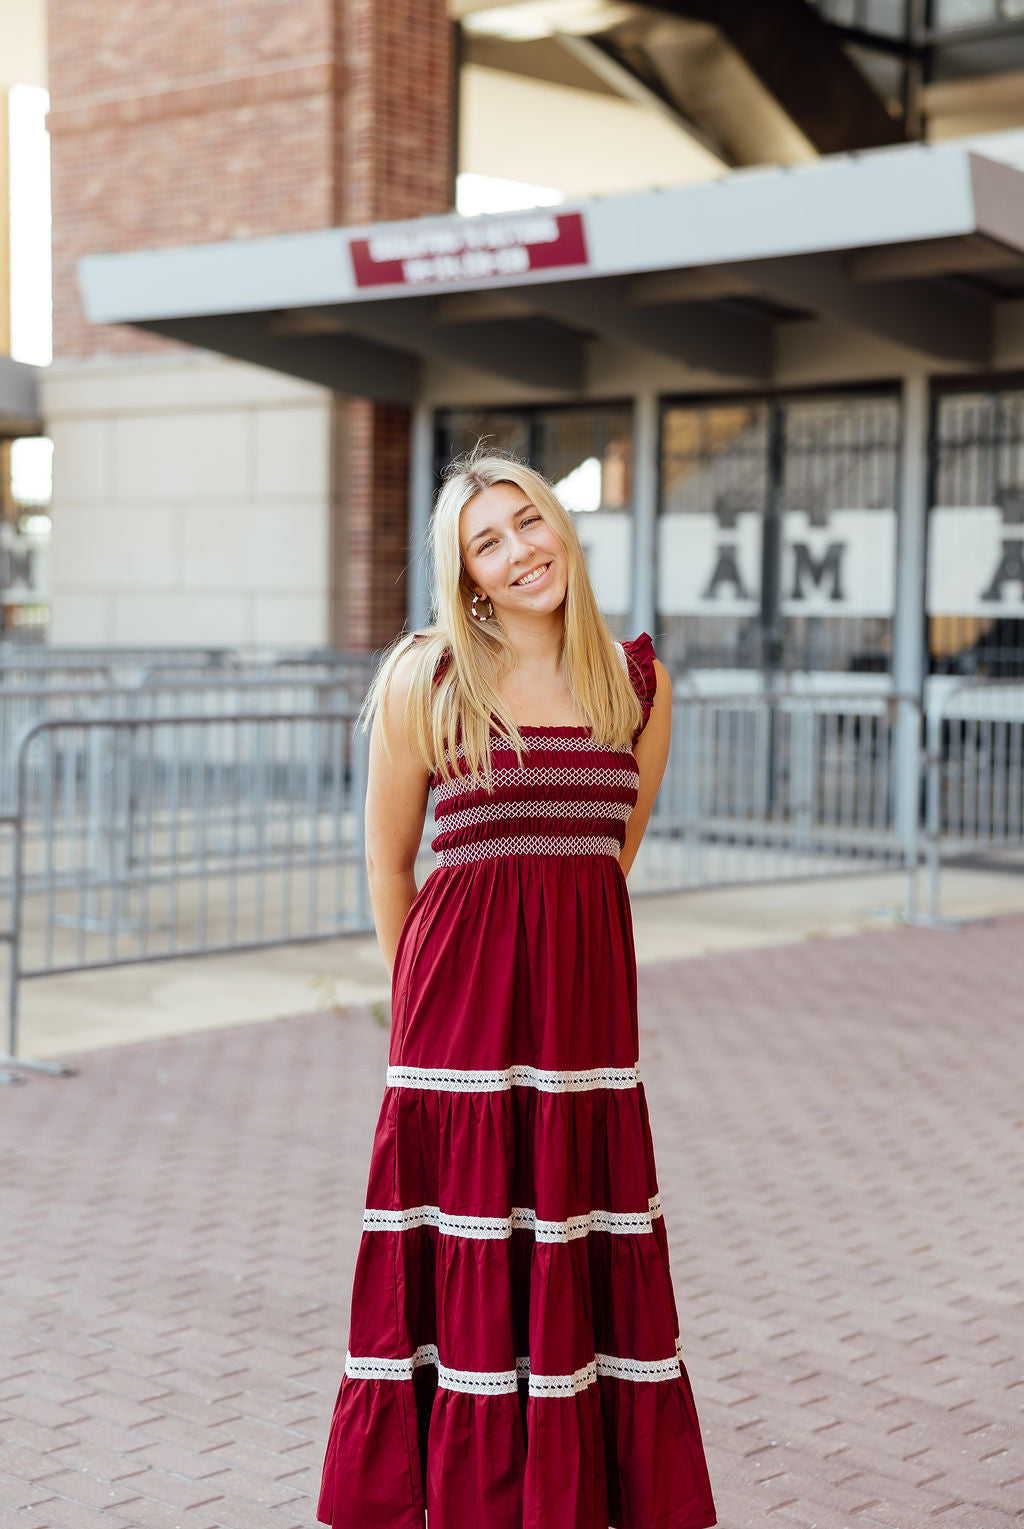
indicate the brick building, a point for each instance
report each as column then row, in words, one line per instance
column 811, row 370
column 195, row 499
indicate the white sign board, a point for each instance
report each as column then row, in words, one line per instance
column 975, row 563
column 607, row 540
column 845, row 568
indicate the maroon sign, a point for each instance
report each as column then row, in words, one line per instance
column 472, row 250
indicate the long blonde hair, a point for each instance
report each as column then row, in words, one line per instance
column 453, row 697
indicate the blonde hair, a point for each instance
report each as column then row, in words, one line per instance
column 453, row 697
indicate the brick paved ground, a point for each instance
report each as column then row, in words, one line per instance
column 840, row 1135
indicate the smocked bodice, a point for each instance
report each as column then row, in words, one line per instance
column 569, row 796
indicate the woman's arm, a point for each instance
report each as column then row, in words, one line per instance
column 396, row 804
column 651, row 755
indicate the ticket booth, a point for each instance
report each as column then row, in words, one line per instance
column 786, row 406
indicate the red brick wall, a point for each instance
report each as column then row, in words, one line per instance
column 186, row 121
column 376, row 544
column 395, row 125
column 394, row 136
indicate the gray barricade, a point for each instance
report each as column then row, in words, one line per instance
column 776, row 786
column 149, row 835
column 974, row 778
column 45, row 663
column 143, row 838
column 171, row 694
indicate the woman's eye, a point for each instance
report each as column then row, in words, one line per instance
column 484, row 546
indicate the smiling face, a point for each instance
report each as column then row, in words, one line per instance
column 511, row 555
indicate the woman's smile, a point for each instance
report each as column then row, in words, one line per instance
column 528, row 580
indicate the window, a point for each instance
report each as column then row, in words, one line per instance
column 777, row 533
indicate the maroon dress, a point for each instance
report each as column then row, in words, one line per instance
column 514, row 1355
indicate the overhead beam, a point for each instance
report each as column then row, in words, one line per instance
column 481, row 307
column 932, row 257
column 345, row 363
column 800, row 61
column 603, row 59
column 946, row 324
column 695, row 284
column 503, row 348
column 538, row 59
column 714, row 339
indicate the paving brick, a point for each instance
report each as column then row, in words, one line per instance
column 179, row 1461
column 253, row 1488
column 101, row 1433
column 27, row 1435
column 31, row 1407
column 80, row 1487
column 93, row 1460
column 25, row 1464
column 65, row 1513
column 146, row 1513
column 24, row 1518
column 240, row 1513
column 15, row 1493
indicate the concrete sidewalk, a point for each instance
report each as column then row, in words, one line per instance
column 840, row 1141
column 179, row 997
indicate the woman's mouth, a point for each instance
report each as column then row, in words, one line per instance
column 535, row 575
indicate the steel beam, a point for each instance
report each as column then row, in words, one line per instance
column 345, row 363
column 713, row 338
column 941, row 322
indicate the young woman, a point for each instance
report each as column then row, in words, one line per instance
column 514, row 1354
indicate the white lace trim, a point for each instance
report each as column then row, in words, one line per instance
column 498, row 812
column 624, row 1223
column 455, row 1081
column 534, row 844
column 473, row 1382
column 503, row 1382
column 565, row 775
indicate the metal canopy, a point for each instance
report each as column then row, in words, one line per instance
column 914, row 244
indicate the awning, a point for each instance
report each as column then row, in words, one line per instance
column 917, row 244
column 19, row 399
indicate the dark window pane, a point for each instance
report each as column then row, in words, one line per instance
column 835, row 490
column 976, row 535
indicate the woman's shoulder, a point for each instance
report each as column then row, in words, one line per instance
column 639, row 650
column 643, row 668
column 640, row 660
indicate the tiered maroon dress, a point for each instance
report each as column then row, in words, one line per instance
column 514, row 1355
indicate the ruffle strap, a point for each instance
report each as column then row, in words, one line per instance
column 639, row 653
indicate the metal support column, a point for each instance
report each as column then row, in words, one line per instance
column 646, row 483
column 908, row 644
column 421, row 496
column 771, row 550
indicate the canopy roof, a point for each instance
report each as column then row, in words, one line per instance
column 917, row 244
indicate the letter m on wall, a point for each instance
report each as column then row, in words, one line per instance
column 818, row 570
